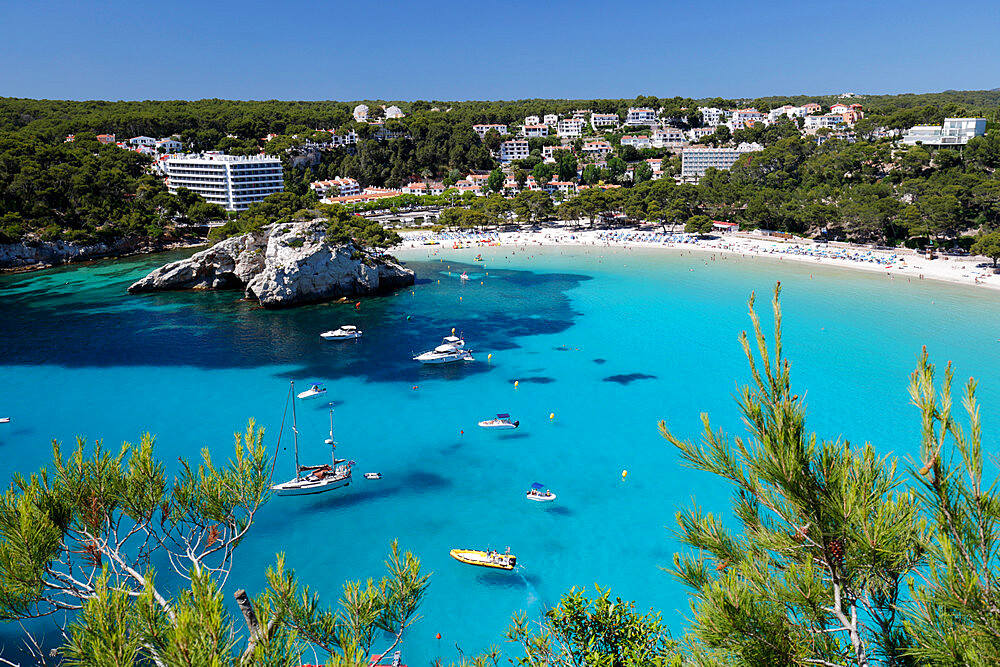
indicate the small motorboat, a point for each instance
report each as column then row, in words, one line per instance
column 314, row 390
column 478, row 258
column 540, row 494
column 4, row 420
column 496, row 560
column 373, row 475
column 345, row 332
column 464, row 276
column 501, row 422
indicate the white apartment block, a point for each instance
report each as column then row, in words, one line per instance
column 596, row 148
column 550, row 119
column 532, row 120
column 548, row 152
column 954, row 132
column 483, row 128
column 787, row 110
column 513, row 150
column 711, row 116
column 742, row 118
column 698, row 133
column 603, row 120
column 234, row 182
column 641, row 117
column 142, row 141
column 169, row 145
column 668, row 137
column 570, row 128
column 581, row 113
column 829, row 121
column 638, row 141
column 564, row 187
column 535, row 131
column 696, row 160
column 394, row 112
column 418, row 188
column 361, row 113
column 336, row 187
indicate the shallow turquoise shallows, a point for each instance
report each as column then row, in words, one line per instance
column 608, row 341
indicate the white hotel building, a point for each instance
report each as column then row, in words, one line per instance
column 513, row 150
column 234, row 182
column 641, row 117
column 696, row 160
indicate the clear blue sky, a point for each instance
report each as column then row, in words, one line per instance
column 244, row 49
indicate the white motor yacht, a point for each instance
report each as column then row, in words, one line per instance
column 452, row 348
column 316, row 478
column 314, row 390
column 501, row 422
column 345, row 332
column 443, row 354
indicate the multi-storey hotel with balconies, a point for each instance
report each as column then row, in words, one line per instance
column 231, row 181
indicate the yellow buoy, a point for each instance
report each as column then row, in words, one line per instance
column 453, row 331
column 624, row 474
column 488, row 357
column 552, row 415
column 515, row 383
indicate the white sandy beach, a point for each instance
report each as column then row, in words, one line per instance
column 971, row 271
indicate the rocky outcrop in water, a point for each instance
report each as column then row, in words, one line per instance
column 281, row 266
column 43, row 254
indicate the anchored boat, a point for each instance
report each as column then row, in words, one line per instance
column 501, row 422
column 452, row 348
column 314, row 390
column 540, row 494
column 493, row 559
column 345, row 332
column 316, row 478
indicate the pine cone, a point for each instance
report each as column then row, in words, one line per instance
column 837, row 550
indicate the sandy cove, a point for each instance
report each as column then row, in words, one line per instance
column 971, row 271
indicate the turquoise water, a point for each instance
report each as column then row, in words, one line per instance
column 610, row 341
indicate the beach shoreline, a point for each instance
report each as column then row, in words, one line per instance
column 969, row 271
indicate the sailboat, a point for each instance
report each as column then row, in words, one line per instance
column 317, row 478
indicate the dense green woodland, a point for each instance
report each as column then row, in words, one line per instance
column 868, row 190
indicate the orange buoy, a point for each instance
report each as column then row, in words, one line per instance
column 357, row 306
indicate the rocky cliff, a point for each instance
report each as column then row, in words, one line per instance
column 281, row 266
column 43, row 254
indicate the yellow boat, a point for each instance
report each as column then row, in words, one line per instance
column 494, row 559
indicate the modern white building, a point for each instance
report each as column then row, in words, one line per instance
column 742, row 118
column 361, row 113
column 550, row 119
column 570, row 128
column 168, row 145
column 829, row 121
column 637, row 140
column 697, row 159
column 234, row 182
column 336, row 187
column 603, row 120
column 394, row 112
column 711, row 116
column 482, row 128
column 954, row 132
column 548, row 152
column 532, row 120
column 697, row 133
column 668, row 137
column 788, row 110
column 513, row 150
column 641, row 117
column 419, row 188
column 535, row 131
column 596, row 148
column 142, row 141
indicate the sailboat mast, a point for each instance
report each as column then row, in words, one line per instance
column 295, row 431
column 333, row 445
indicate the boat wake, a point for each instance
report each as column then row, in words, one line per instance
column 533, row 596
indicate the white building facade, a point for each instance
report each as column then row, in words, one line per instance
column 954, row 132
column 641, row 117
column 513, row 150
column 483, row 128
column 696, row 160
column 603, row 120
column 570, row 128
column 535, row 131
column 550, row 119
column 231, row 181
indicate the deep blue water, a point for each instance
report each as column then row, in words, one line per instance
column 610, row 341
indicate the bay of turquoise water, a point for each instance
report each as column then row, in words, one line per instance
column 609, row 341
